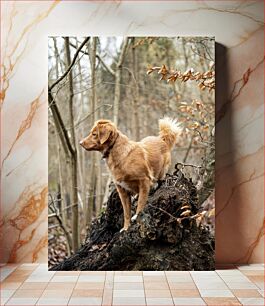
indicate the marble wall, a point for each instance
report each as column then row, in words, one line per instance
column 238, row 27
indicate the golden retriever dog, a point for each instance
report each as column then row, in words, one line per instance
column 135, row 166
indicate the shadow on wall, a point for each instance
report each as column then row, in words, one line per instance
column 225, row 146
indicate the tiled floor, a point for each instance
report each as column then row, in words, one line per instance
column 32, row 284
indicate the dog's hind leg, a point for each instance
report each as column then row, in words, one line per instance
column 144, row 188
column 126, row 204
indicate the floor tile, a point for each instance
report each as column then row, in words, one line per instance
column 246, row 293
column 22, row 301
column 251, row 301
column 95, row 272
column 3, row 300
column 182, row 286
column 157, row 293
column 216, row 293
column 107, row 297
column 29, row 266
column 128, row 273
column 182, row 293
column 68, row 273
column 6, row 271
column 159, row 301
column 128, row 293
column 91, row 278
column 215, row 301
column 256, row 278
column 203, row 273
column 130, row 286
column 235, row 278
column 28, row 293
column 34, row 286
column 153, row 273
column 241, row 285
column 211, row 285
column 21, row 272
column 156, row 285
column 56, row 293
column 123, row 301
column 89, row 285
column 232, row 272
column 179, row 279
column 60, row 286
column 177, row 273
column 15, row 278
column 53, row 301
column 155, row 278
column 64, row 279
column 85, row 301
column 253, row 272
column 7, row 293
column 9, row 285
column 87, row 293
column 188, row 301
column 128, row 279
column 39, row 278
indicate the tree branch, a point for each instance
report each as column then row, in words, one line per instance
column 60, row 126
column 70, row 66
column 105, row 65
column 61, row 224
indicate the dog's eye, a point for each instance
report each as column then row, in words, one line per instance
column 94, row 134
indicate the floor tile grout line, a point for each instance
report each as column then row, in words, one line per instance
column 102, row 296
column 169, row 288
column 233, row 293
column 144, row 289
column 213, row 289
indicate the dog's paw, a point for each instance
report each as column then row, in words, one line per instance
column 134, row 217
column 123, row 229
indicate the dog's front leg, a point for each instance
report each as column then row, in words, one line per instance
column 144, row 188
column 126, row 204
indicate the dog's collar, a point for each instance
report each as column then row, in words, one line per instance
column 107, row 152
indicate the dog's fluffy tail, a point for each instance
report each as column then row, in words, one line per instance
column 169, row 130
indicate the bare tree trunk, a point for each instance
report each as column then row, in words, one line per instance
column 116, row 103
column 81, row 153
column 59, row 151
column 136, row 125
column 117, row 90
column 99, row 179
column 93, row 172
column 74, row 185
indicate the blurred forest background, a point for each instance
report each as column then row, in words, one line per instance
column 133, row 81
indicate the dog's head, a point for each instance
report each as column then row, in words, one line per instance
column 101, row 136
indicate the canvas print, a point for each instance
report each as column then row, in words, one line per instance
column 131, row 153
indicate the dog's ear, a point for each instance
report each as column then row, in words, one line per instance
column 104, row 132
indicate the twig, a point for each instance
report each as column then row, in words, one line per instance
column 60, row 222
column 189, row 165
column 70, row 66
column 105, row 65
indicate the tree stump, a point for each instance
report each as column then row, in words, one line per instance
column 166, row 235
